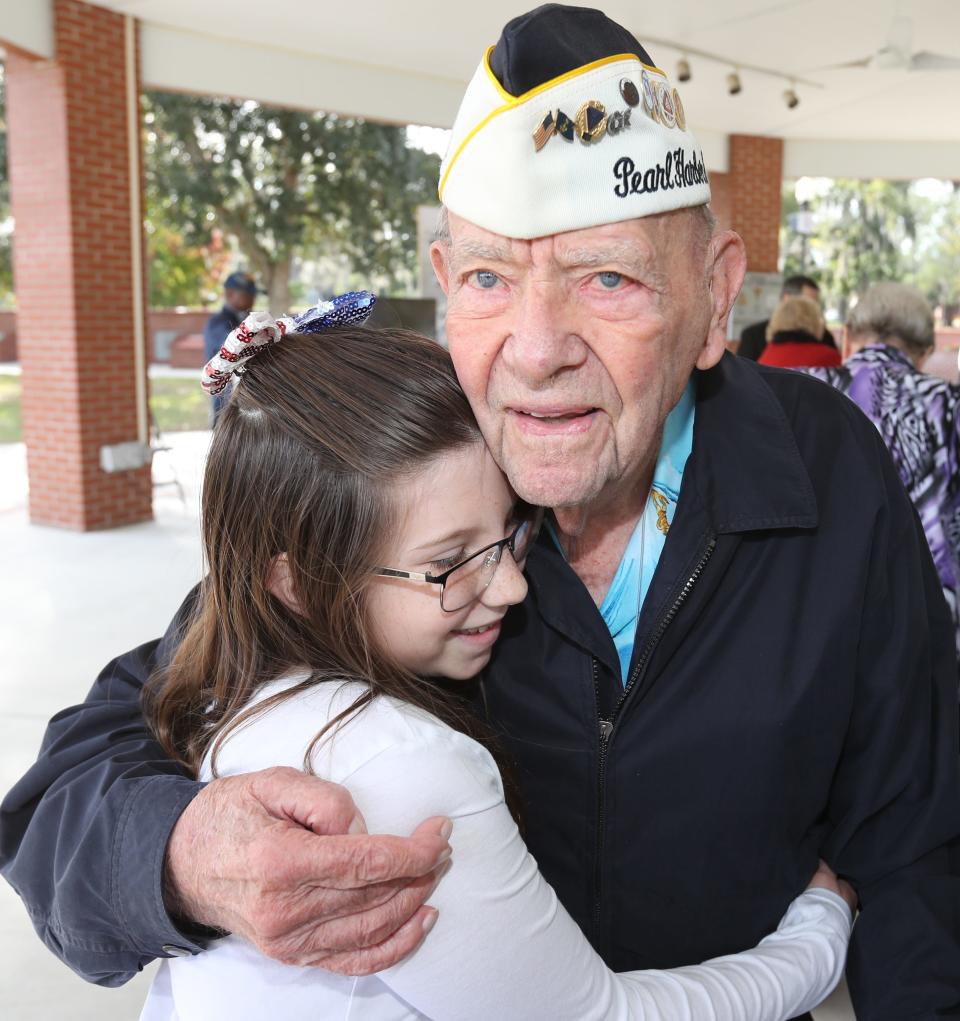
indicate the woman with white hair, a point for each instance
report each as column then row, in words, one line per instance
column 891, row 335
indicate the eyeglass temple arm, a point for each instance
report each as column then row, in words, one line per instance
column 389, row 572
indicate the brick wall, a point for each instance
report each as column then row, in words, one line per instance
column 70, row 188
column 753, row 195
column 163, row 327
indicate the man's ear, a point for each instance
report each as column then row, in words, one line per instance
column 440, row 256
column 728, row 266
column 280, row 583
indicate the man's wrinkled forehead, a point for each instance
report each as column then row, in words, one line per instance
column 631, row 243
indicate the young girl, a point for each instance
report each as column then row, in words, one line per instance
column 362, row 544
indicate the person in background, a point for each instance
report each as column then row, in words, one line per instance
column 239, row 294
column 753, row 339
column 890, row 332
column 795, row 337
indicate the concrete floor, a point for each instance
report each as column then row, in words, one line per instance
column 68, row 604
column 98, row 594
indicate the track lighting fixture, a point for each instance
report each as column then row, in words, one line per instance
column 733, row 66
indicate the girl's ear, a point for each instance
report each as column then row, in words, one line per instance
column 280, row 583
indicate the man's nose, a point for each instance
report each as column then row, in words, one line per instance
column 543, row 340
column 507, row 587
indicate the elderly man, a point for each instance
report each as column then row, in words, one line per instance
column 734, row 657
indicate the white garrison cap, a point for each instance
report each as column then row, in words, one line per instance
column 567, row 123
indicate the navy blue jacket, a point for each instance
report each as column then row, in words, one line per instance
column 792, row 695
column 217, row 329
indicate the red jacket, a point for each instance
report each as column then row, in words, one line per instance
column 797, row 349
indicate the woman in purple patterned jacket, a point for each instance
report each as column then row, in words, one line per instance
column 891, row 333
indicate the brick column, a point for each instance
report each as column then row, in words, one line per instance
column 753, row 196
column 71, row 189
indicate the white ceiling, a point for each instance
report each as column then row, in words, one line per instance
column 408, row 60
column 445, row 40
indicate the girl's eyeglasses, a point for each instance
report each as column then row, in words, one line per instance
column 466, row 581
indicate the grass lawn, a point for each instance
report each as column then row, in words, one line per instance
column 9, row 409
column 177, row 404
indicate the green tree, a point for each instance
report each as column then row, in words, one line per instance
column 864, row 232
column 938, row 259
column 286, row 184
column 868, row 231
column 178, row 271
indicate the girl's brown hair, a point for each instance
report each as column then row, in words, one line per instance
column 302, row 463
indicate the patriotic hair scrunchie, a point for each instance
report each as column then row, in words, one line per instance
column 260, row 330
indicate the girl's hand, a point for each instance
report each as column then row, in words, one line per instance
column 826, row 879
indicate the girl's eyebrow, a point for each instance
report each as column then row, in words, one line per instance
column 463, row 536
column 460, row 535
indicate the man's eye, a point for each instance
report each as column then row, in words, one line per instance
column 610, row 280
column 484, row 279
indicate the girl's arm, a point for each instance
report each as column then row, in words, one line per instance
column 503, row 946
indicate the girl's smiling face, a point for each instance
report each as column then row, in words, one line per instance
column 459, row 503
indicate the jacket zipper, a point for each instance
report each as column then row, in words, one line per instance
column 606, row 724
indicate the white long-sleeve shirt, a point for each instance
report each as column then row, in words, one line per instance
column 503, row 946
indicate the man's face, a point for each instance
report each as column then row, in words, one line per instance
column 812, row 293
column 574, row 348
column 242, row 301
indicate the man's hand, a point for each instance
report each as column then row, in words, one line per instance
column 282, row 859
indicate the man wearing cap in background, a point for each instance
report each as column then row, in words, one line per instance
column 239, row 294
column 734, row 658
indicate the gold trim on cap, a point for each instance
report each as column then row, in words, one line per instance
column 514, row 101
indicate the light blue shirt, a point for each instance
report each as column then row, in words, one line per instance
column 621, row 607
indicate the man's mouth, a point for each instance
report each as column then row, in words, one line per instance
column 553, row 421
column 551, row 413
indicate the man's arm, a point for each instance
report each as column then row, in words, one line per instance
column 85, row 834
column 895, row 803
column 101, row 792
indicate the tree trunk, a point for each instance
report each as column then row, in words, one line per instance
column 272, row 274
column 277, row 286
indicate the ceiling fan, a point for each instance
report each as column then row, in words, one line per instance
column 897, row 53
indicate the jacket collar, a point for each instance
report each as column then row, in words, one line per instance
column 882, row 353
column 745, row 463
column 794, row 337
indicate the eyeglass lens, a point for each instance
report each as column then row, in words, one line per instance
column 469, row 581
